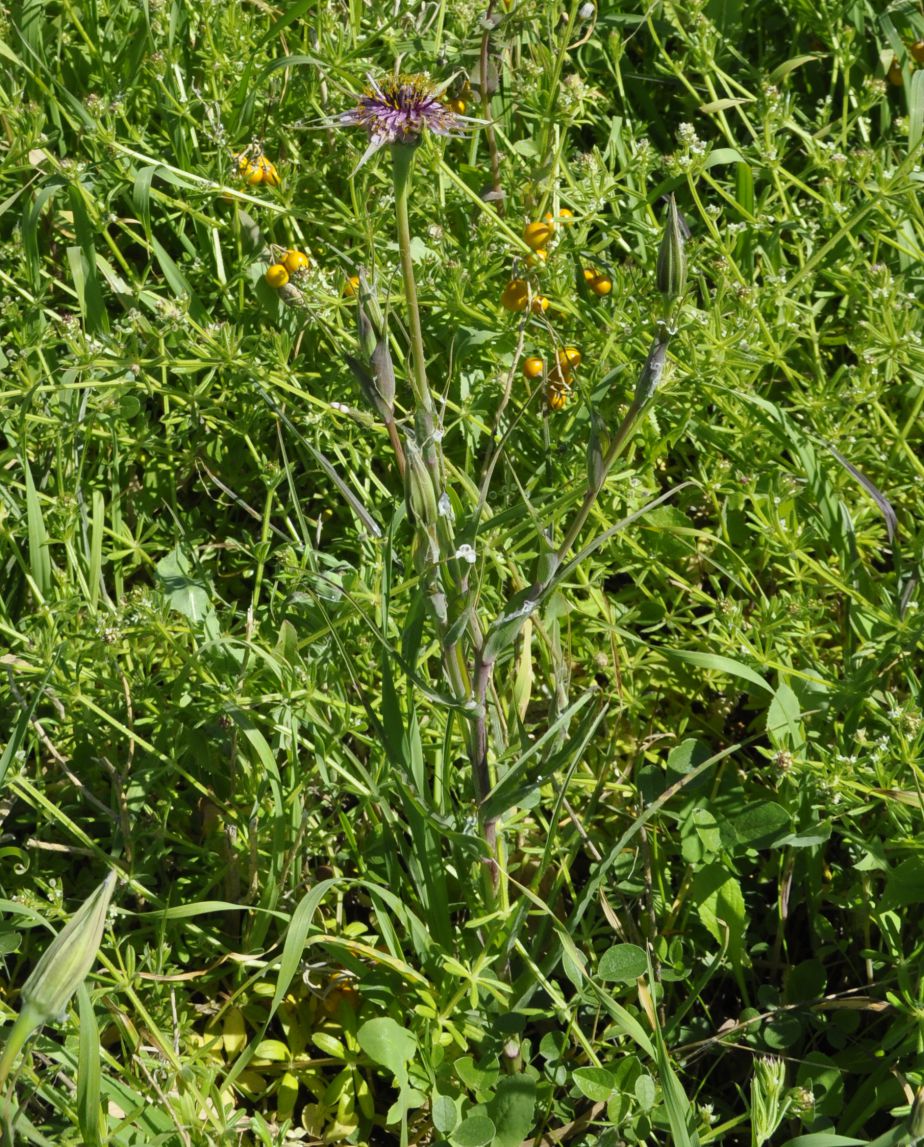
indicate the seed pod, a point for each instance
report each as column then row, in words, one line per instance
column 672, row 259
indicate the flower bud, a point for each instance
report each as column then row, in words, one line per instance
column 672, row 259
column 419, row 492
column 650, row 377
column 384, row 371
column 597, row 446
column 64, row 964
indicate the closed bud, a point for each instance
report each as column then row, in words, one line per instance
column 64, row 964
column 672, row 259
column 365, row 332
column 367, row 384
column 419, row 492
column 597, row 446
column 650, row 378
column 384, row 371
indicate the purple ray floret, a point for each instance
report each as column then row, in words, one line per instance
column 398, row 110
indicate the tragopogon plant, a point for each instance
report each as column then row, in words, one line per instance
column 396, row 113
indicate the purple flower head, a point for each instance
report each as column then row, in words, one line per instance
column 398, row 109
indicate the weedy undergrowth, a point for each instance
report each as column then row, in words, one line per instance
column 496, row 743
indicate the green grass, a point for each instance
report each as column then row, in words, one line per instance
column 223, row 671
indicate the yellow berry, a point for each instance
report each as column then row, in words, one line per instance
column 457, row 106
column 270, row 174
column 556, row 396
column 251, row 173
column 296, row 261
column 589, row 275
column 601, row 285
column 515, row 296
column 538, row 258
column 539, row 304
column 533, row 367
column 536, row 235
column 564, row 216
column 351, row 286
column 895, row 77
column 277, row 275
column 568, row 358
column 917, row 51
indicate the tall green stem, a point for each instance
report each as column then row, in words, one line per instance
column 425, row 423
column 403, row 159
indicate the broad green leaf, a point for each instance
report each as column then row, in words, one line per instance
column 905, row 884
column 409, row 1099
column 760, row 824
column 719, row 901
column 473, row 1131
column 596, row 1083
column 388, row 1044
column 784, row 719
column 512, row 1108
column 623, row 962
column 807, row 837
column 476, row 1078
column 184, row 592
column 444, row 1113
column 645, row 1092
